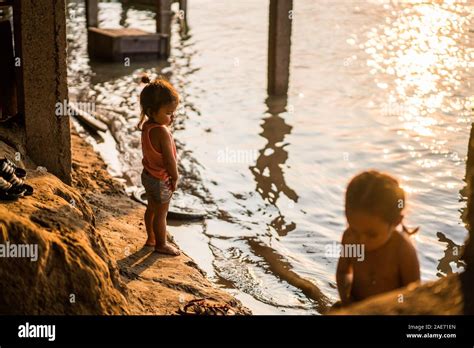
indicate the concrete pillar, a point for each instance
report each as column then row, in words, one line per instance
column 279, row 46
column 163, row 26
column 42, row 33
column 92, row 13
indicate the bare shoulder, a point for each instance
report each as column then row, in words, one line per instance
column 159, row 131
column 404, row 244
column 349, row 237
column 161, row 134
column 408, row 260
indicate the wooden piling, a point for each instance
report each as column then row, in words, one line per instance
column 92, row 13
column 279, row 46
column 183, row 17
column 183, row 6
column 163, row 26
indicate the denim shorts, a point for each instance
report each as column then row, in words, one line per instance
column 156, row 189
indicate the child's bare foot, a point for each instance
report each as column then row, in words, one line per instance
column 167, row 249
column 150, row 242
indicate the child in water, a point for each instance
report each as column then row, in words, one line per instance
column 158, row 102
column 374, row 205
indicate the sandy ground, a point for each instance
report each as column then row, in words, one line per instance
column 90, row 238
column 157, row 284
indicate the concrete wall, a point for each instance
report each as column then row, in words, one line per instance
column 43, row 59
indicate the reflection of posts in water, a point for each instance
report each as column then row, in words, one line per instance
column 124, row 14
column 268, row 169
column 279, row 46
column 273, row 156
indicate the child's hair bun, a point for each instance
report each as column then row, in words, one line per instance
column 145, row 78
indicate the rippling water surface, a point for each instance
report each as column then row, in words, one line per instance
column 374, row 84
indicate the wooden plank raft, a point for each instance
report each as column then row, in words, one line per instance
column 118, row 44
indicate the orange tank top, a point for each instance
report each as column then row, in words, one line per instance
column 152, row 159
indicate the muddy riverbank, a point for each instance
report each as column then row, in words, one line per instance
column 90, row 241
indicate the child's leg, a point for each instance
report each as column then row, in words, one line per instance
column 159, row 227
column 149, row 215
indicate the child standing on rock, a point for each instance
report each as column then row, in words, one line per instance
column 158, row 102
column 374, row 204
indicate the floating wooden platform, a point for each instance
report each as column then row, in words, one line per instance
column 119, row 44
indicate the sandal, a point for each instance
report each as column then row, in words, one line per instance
column 7, row 165
column 204, row 307
column 8, row 192
column 18, row 186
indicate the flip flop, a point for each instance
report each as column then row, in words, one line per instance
column 7, row 165
column 7, row 172
column 204, row 307
column 8, row 192
column 19, row 184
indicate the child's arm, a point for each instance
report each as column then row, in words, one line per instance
column 344, row 280
column 166, row 147
column 409, row 265
column 344, row 274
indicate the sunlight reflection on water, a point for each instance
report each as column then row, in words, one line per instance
column 382, row 84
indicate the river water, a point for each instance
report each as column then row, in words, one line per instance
column 373, row 84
